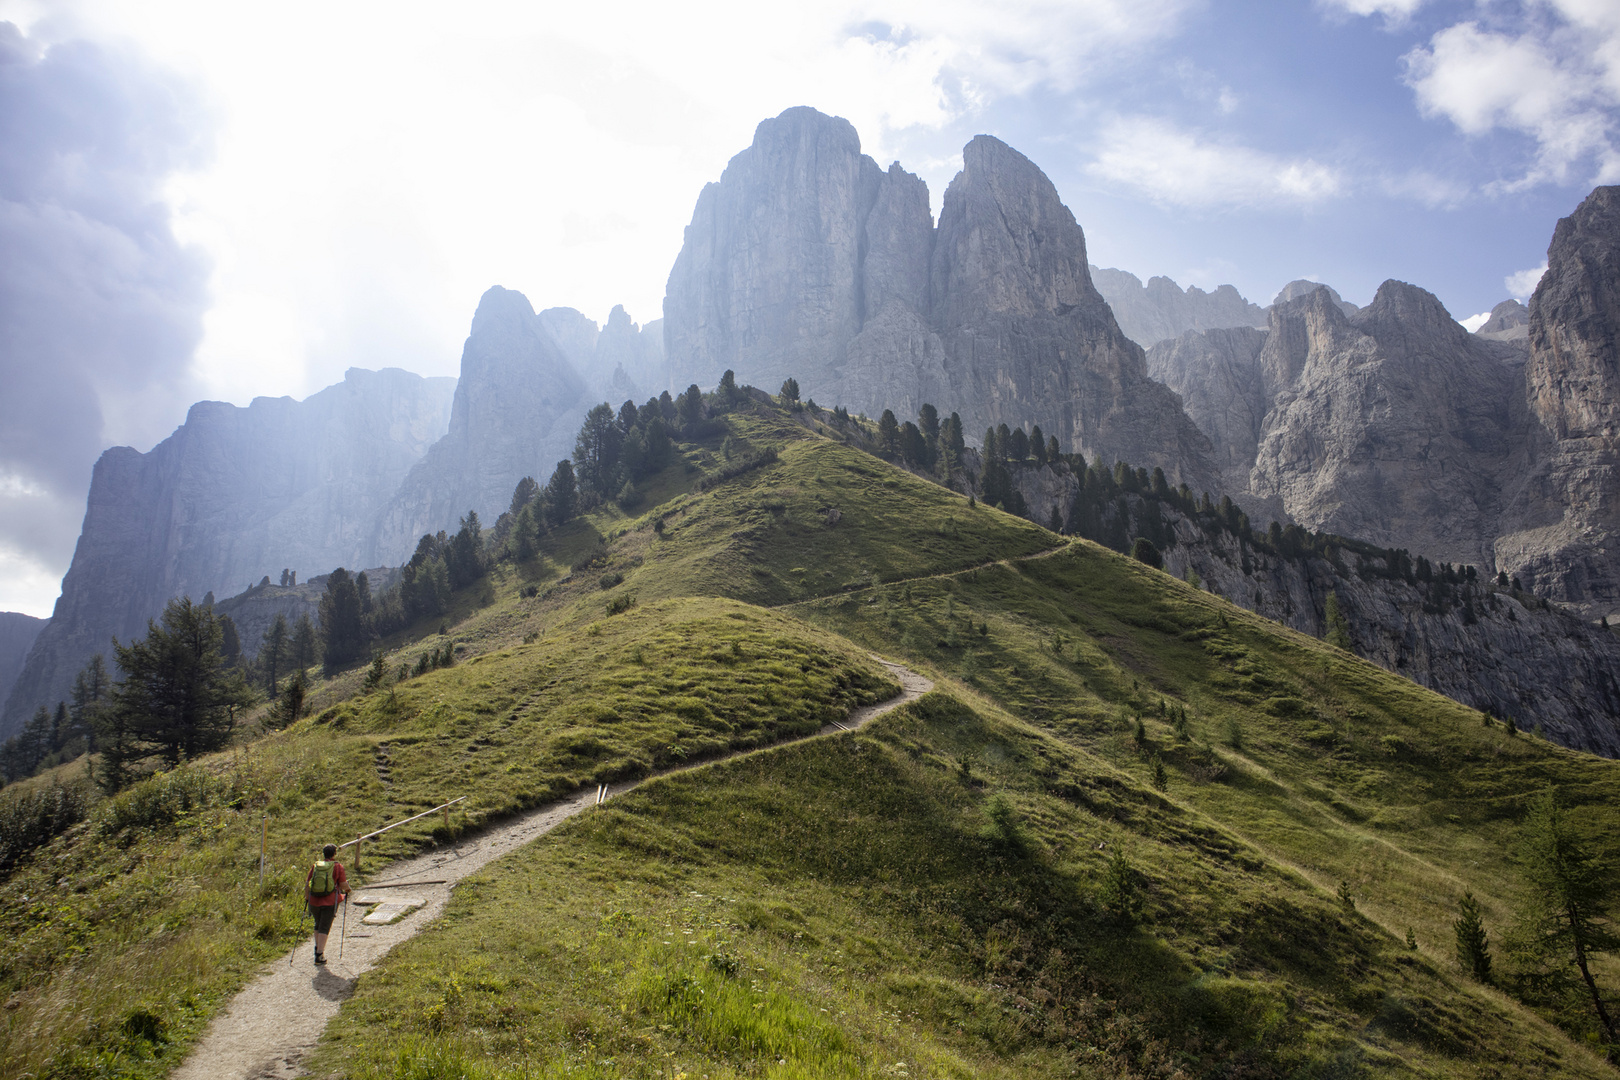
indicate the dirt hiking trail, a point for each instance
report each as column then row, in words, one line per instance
column 275, row 1021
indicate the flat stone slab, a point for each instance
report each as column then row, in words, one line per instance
column 395, row 908
column 368, row 899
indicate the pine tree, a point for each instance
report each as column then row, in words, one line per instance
column 464, row 558
column 342, row 629
column 1017, row 445
column 1118, row 892
column 928, row 424
column 1473, row 948
column 92, row 689
column 305, row 645
column 231, row 644
column 273, row 653
column 562, row 495
column 1338, row 630
column 1564, row 917
column 1037, row 445
column 525, row 493
column 176, row 699
column 596, row 454
column 888, row 433
column 689, row 410
column 790, row 392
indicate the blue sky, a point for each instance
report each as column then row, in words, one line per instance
column 198, row 200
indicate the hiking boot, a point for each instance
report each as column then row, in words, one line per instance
column 320, row 958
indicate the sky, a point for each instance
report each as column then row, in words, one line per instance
column 218, row 201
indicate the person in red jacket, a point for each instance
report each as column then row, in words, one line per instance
column 325, row 887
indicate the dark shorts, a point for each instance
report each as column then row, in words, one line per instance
column 323, row 917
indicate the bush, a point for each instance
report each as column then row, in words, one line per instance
column 32, row 819
column 1143, row 551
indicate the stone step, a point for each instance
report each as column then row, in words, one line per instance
column 392, row 910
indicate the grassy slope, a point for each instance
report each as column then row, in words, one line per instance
column 848, row 908
column 1245, row 962
column 155, row 905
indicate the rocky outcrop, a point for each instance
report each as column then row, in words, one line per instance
column 17, row 634
column 1160, row 310
column 519, row 403
column 1392, row 426
column 808, row 260
column 1560, row 528
column 618, row 361
column 1218, row 375
column 1498, row 650
column 1300, row 287
column 234, row 494
column 1509, row 321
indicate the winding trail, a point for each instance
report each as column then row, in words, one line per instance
column 274, row 1022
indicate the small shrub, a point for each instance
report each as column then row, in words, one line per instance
column 608, row 581
column 1347, row 899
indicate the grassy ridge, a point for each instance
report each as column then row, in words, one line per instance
column 152, row 909
column 855, row 906
column 958, row 926
column 1327, row 763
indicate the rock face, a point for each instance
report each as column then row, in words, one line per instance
column 1495, row 649
column 17, row 634
column 1392, row 424
column 234, row 494
column 518, row 404
column 526, row 384
column 1509, row 321
column 808, row 260
column 1561, row 526
column 1301, row 287
column 618, row 361
column 1160, row 310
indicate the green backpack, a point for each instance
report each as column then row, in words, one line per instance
column 323, row 878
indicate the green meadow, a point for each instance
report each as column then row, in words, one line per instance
column 1135, row 830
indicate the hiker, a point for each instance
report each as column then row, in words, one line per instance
column 325, row 887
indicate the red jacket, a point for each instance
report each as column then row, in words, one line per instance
column 333, row 898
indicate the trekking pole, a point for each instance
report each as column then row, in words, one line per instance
column 343, row 935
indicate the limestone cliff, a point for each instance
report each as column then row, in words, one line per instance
column 1559, row 531
column 17, row 634
column 519, row 403
column 808, row 260
column 234, row 494
column 1161, row 310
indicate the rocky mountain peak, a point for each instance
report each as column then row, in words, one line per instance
column 1506, row 317
column 1010, row 233
column 1301, row 287
column 1404, row 317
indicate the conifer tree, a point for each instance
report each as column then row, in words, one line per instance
column 1338, row 630
column 1563, row 920
column 562, row 495
column 790, row 392
column 176, row 699
column 273, row 653
column 1473, row 947
column 888, row 433
column 342, row 629
column 305, row 645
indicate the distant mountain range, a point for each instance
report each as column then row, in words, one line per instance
column 807, row 260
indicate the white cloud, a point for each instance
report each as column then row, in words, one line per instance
column 1474, row 322
column 380, row 164
column 1393, row 11
column 1181, row 168
column 1553, row 76
column 1523, row 283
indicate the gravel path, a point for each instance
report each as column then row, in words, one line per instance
column 273, row 1023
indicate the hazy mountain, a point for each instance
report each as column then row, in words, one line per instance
column 233, row 495
column 17, row 634
column 1160, row 310
column 808, row 260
